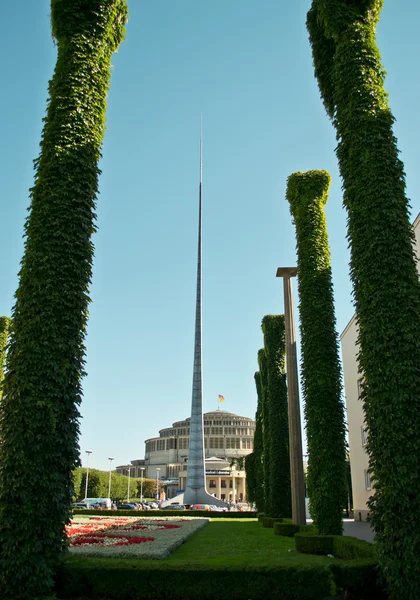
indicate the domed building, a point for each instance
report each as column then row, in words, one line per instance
column 228, row 439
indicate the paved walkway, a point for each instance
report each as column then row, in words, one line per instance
column 358, row 529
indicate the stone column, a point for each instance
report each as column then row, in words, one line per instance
column 295, row 431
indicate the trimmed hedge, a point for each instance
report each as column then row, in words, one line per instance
column 127, row 579
column 359, row 576
column 345, row 547
column 383, row 272
column 289, row 529
column 141, row 514
column 269, row 521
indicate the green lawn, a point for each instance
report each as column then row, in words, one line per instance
column 228, row 543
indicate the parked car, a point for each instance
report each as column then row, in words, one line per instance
column 173, row 507
column 78, row 505
column 153, row 505
column 126, row 506
column 218, row 508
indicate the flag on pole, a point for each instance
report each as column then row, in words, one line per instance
column 221, row 398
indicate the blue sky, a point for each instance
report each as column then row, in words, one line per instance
column 246, row 65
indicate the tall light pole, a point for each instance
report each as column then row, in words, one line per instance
column 110, row 458
column 295, row 432
column 128, row 485
column 88, row 452
column 157, row 484
column 141, row 484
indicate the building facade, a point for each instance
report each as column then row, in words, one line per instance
column 359, row 461
column 228, row 439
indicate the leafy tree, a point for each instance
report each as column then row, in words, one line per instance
column 149, row 488
column 250, row 477
column 307, row 194
column 259, row 447
column 383, row 271
column 276, row 447
column 45, row 365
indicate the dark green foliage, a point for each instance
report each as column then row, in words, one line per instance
column 4, row 336
column 345, row 547
column 261, row 383
column 286, row 529
column 259, row 446
column 358, row 579
column 385, row 280
column 269, row 521
column 113, row 578
column 289, row 529
column 275, row 415
column 98, row 483
column 42, row 388
column 307, row 194
column 314, row 544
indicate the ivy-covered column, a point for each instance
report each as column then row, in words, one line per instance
column 259, row 447
column 4, row 336
column 42, row 389
column 383, row 271
column 265, row 417
column 307, row 194
column 277, row 425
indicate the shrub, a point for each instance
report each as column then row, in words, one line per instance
column 314, row 544
column 359, row 579
column 345, row 547
column 286, row 529
column 126, row 579
column 269, row 521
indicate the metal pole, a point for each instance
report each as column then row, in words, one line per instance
column 141, row 484
column 128, row 485
column 88, row 452
column 295, row 432
column 109, row 483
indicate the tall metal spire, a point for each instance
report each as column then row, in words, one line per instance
column 195, row 489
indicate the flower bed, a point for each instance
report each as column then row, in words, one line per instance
column 146, row 538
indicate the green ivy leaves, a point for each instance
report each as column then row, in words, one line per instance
column 42, row 389
column 383, row 272
column 307, row 194
column 277, row 491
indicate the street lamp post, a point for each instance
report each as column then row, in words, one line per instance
column 110, row 458
column 141, row 484
column 157, row 484
column 295, row 432
column 88, row 452
column 128, row 485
